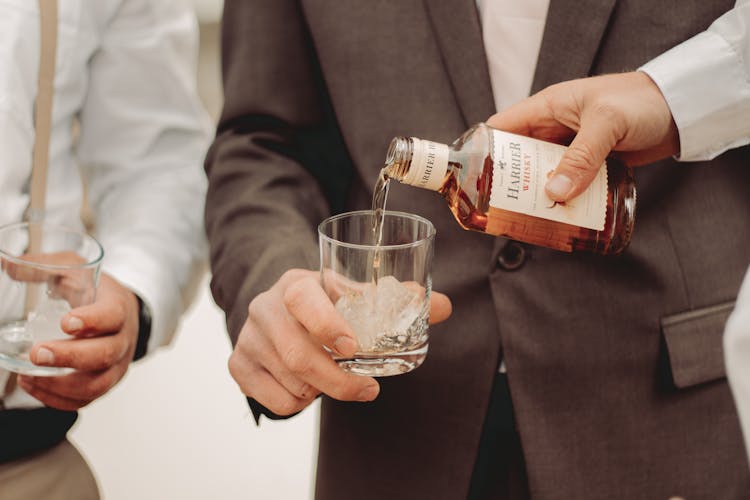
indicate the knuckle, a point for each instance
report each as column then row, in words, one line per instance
column 306, row 392
column 235, row 365
column 614, row 115
column 297, row 293
column 296, row 360
column 121, row 310
column 580, row 158
column 107, row 357
column 348, row 390
column 96, row 387
column 110, row 316
column 291, row 276
column 283, row 406
column 324, row 328
column 243, row 373
column 71, row 358
column 258, row 306
column 607, row 111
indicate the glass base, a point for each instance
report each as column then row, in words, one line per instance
column 15, row 345
column 384, row 364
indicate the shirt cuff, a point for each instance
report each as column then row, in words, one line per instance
column 144, row 329
column 707, row 92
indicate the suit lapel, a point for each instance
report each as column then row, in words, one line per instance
column 459, row 35
column 572, row 36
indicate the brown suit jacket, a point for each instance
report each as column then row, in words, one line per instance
column 615, row 363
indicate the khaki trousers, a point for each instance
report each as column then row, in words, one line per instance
column 60, row 473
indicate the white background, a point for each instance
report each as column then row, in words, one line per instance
column 177, row 427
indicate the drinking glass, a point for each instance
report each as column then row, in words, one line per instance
column 47, row 270
column 382, row 291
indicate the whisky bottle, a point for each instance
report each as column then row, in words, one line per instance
column 494, row 183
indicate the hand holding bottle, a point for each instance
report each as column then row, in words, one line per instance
column 279, row 359
column 621, row 113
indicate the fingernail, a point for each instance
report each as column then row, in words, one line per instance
column 346, row 346
column 73, row 324
column 44, row 356
column 559, row 186
column 369, row 393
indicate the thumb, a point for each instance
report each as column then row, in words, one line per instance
column 583, row 158
column 440, row 307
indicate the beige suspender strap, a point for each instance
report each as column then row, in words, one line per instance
column 43, row 129
column 43, row 108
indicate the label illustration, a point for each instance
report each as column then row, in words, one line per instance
column 521, row 168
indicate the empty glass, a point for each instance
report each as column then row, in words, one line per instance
column 383, row 291
column 46, row 271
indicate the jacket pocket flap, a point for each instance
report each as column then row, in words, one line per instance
column 694, row 344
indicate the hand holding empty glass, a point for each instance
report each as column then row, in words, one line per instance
column 46, row 272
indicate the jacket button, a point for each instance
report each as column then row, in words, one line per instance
column 512, row 256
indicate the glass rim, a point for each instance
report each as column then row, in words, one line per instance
column 52, row 267
column 421, row 241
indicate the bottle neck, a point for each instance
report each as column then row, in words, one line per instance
column 417, row 162
column 398, row 159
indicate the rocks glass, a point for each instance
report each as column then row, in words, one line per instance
column 382, row 291
column 46, row 272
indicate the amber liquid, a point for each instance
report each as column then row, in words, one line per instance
column 379, row 198
column 476, row 214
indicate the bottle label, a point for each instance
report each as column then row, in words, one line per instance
column 429, row 164
column 521, row 168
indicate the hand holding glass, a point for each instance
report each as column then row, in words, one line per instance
column 382, row 291
column 40, row 286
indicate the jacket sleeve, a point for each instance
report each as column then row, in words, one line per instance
column 273, row 167
column 706, row 83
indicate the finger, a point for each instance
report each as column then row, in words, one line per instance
column 310, row 306
column 254, row 349
column 259, row 384
column 440, row 307
column 85, row 354
column 79, row 386
column 305, row 359
column 316, row 367
column 584, row 157
column 77, row 287
column 20, row 272
column 51, row 400
column 532, row 117
column 106, row 315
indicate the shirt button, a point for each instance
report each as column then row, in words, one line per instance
column 512, row 256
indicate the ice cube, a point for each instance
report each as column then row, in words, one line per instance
column 376, row 311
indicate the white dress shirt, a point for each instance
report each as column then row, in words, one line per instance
column 512, row 33
column 706, row 82
column 126, row 73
